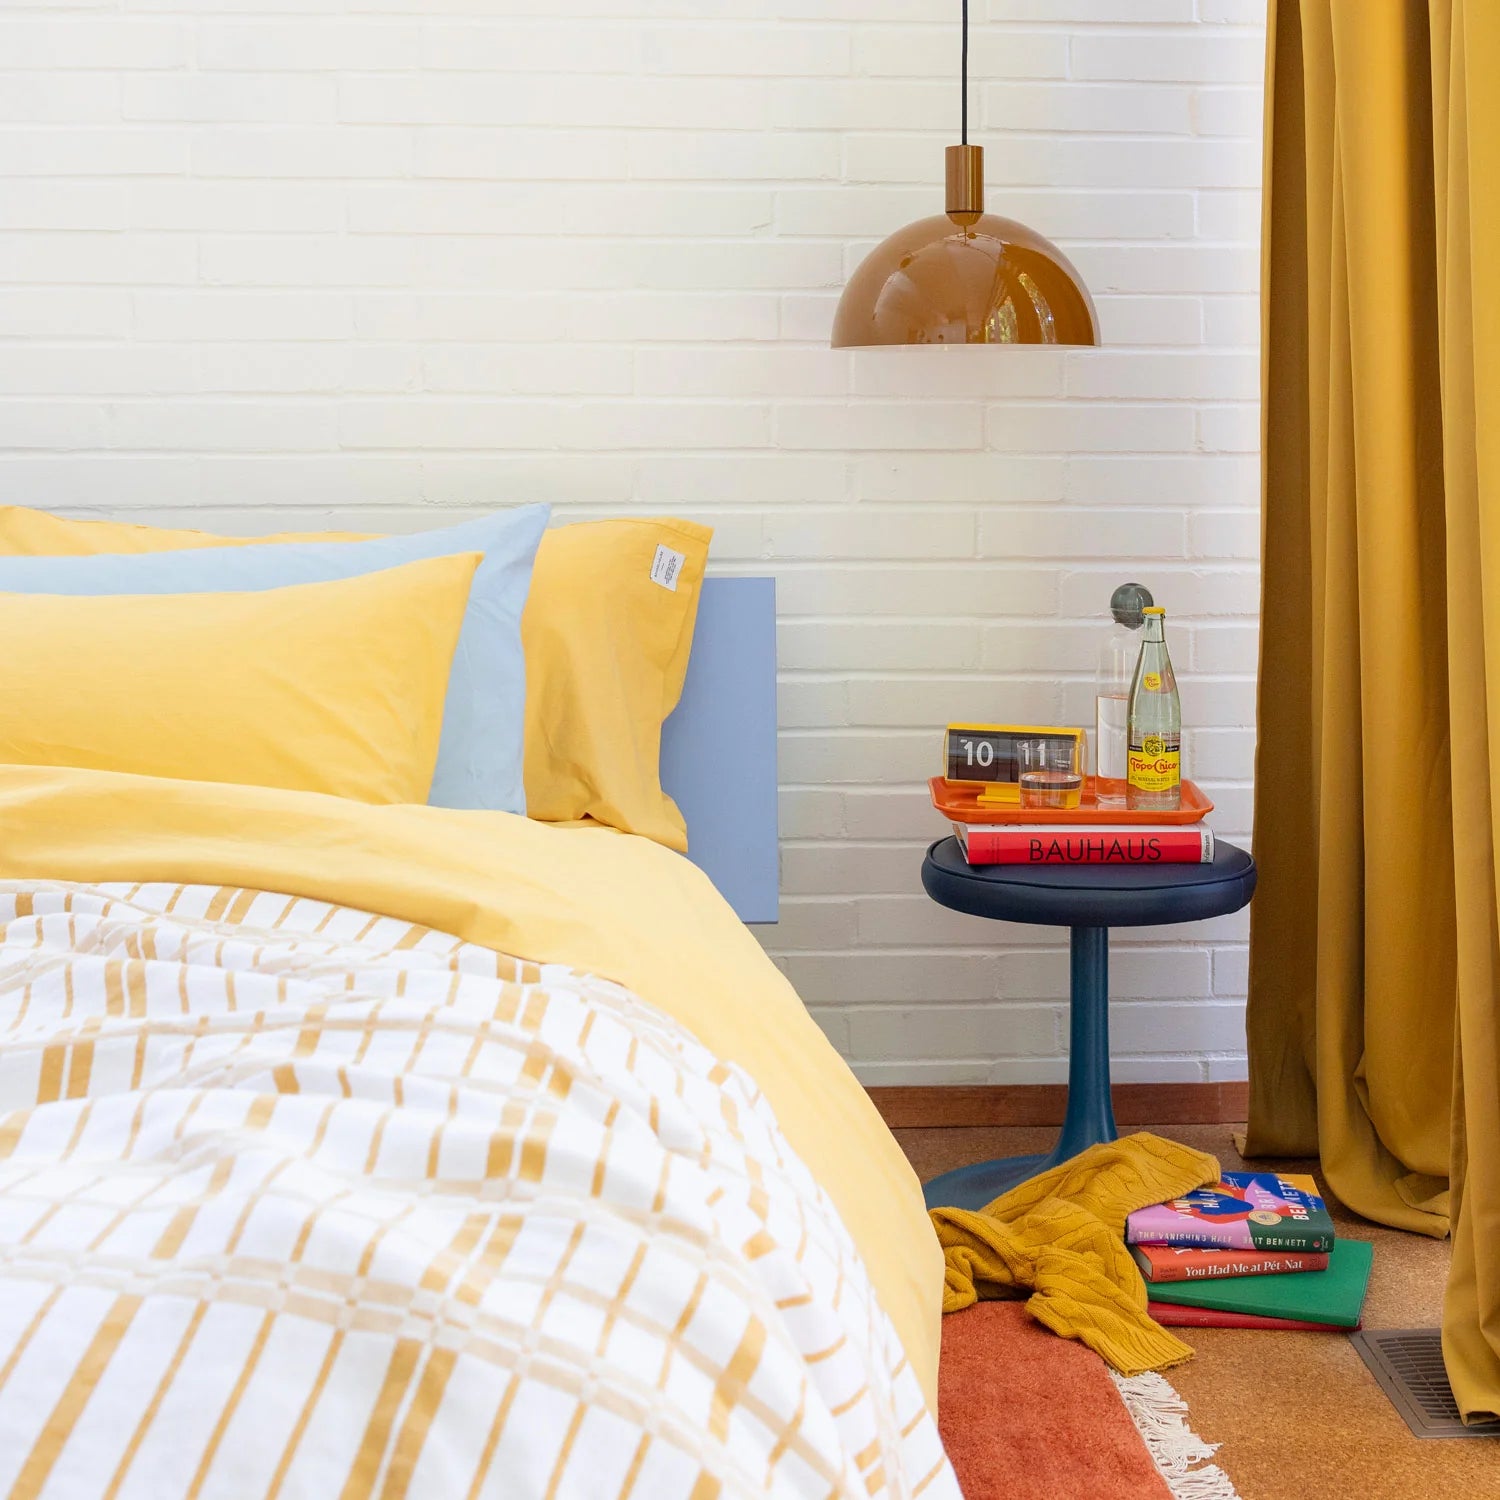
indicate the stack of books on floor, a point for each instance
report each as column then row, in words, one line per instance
column 1257, row 1250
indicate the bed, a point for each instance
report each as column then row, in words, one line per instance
column 353, row 1149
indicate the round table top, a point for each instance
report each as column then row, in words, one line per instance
column 1090, row 895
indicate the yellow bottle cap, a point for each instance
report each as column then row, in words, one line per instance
column 1153, row 609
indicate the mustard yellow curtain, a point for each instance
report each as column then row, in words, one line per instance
column 1374, row 1016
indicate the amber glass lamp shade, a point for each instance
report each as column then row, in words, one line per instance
column 965, row 277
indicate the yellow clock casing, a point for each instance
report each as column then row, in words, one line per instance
column 984, row 755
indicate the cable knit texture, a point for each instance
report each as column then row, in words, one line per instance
column 1061, row 1236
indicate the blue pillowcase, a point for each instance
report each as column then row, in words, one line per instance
column 480, row 753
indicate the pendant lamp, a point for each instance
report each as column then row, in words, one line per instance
column 965, row 276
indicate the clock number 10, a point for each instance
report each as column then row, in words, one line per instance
column 980, row 754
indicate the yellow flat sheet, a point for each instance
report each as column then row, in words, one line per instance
column 609, row 904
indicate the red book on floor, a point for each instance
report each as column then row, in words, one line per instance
column 1084, row 844
column 1174, row 1315
column 1188, row 1263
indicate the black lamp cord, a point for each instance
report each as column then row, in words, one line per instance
column 964, row 89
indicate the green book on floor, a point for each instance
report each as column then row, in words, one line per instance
column 1332, row 1296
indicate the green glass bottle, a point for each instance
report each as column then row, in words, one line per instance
column 1153, row 781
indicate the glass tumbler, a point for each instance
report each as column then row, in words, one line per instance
column 1049, row 775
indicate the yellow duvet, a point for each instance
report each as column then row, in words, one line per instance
column 355, row 1151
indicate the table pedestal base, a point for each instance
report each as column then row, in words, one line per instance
column 1090, row 1116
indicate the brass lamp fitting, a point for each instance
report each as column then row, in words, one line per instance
column 965, row 173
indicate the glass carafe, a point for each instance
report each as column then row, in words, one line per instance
column 1118, row 653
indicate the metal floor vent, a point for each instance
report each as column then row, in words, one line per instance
column 1408, row 1363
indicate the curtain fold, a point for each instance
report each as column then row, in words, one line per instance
column 1375, row 936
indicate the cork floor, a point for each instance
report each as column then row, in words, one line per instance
column 1297, row 1414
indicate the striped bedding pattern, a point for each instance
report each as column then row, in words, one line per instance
column 297, row 1200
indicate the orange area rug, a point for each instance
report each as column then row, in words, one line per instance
column 1026, row 1415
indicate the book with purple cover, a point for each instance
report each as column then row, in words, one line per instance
column 1243, row 1211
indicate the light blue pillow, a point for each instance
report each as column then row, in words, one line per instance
column 480, row 753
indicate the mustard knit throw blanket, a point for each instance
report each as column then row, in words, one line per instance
column 1061, row 1236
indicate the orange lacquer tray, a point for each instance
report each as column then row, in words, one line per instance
column 960, row 802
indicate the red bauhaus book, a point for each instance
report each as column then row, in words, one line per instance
column 1187, row 1263
column 1084, row 844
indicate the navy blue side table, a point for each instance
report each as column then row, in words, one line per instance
column 1088, row 899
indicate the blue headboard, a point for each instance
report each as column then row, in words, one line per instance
column 718, row 749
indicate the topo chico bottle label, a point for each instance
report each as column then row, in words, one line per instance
column 1154, row 762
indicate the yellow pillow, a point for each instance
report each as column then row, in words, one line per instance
column 606, row 651
column 607, row 643
column 321, row 687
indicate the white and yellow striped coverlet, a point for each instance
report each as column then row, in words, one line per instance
column 300, row 1201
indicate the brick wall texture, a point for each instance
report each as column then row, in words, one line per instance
column 384, row 263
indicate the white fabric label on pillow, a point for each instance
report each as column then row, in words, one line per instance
column 665, row 567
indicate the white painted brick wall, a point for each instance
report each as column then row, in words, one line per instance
column 386, row 262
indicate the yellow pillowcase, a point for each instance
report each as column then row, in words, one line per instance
column 606, row 651
column 321, row 687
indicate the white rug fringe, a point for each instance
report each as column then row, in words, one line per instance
column 1160, row 1415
